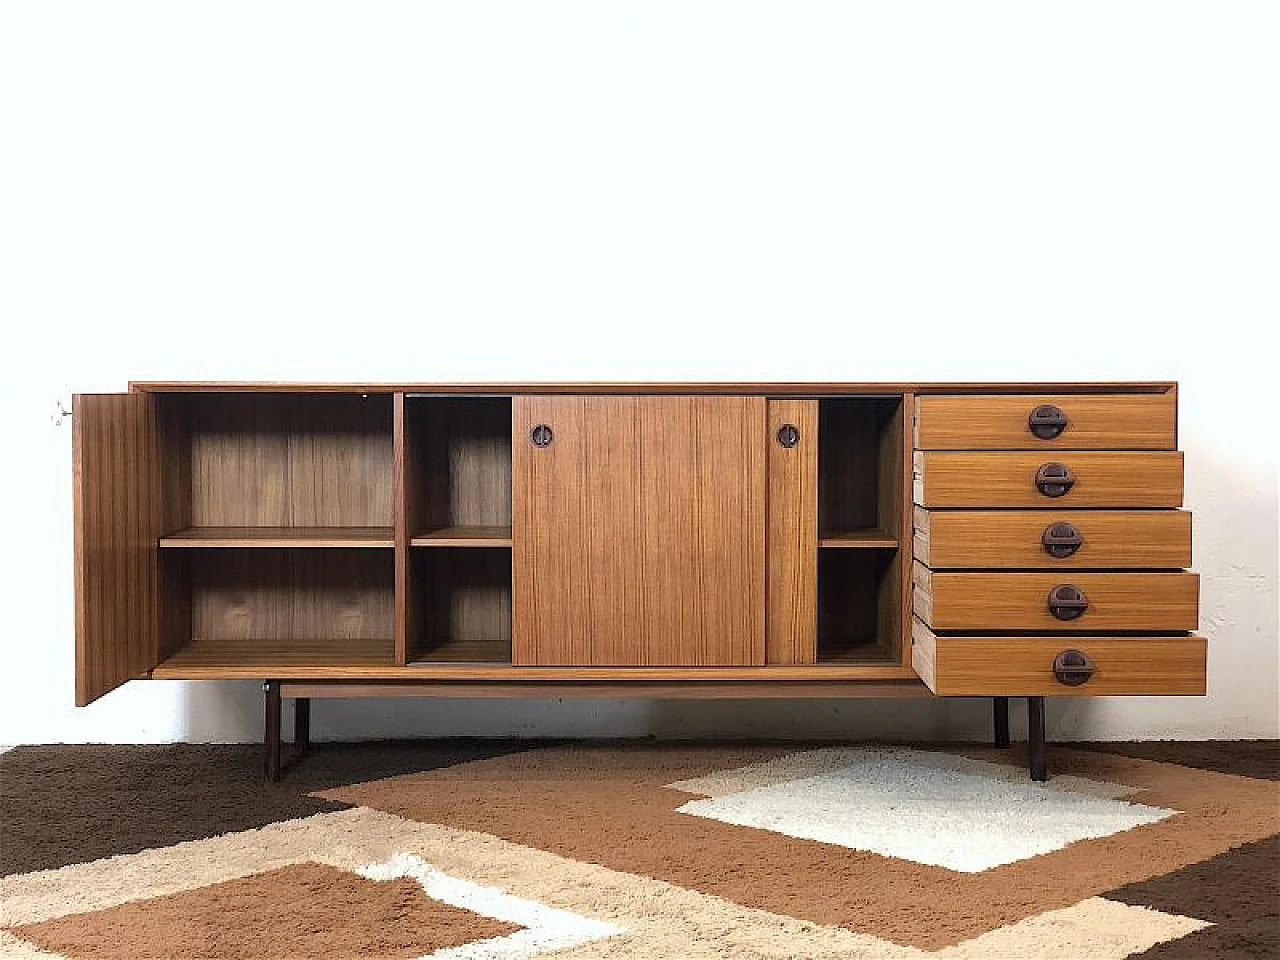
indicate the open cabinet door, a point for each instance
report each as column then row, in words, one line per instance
column 118, row 514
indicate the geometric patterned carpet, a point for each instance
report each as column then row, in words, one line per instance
column 503, row 849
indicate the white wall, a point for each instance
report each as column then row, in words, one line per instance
column 627, row 191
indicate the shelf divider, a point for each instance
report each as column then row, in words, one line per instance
column 334, row 537
column 865, row 538
column 463, row 536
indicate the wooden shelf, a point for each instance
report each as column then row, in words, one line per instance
column 864, row 538
column 843, row 652
column 466, row 651
column 207, row 537
column 271, row 657
column 463, row 536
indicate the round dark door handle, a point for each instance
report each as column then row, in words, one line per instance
column 1072, row 668
column 788, row 435
column 1061, row 540
column 1046, row 422
column 541, row 435
column 1054, row 479
column 1067, row 602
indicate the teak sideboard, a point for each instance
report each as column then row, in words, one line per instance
column 623, row 539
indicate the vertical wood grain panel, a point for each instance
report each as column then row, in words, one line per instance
column 549, row 580
column 291, row 461
column 791, row 548
column 900, row 628
column 404, row 485
column 638, row 534
column 119, row 511
column 464, row 448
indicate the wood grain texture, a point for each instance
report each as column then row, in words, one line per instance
column 1011, row 538
column 696, row 690
column 646, row 388
column 461, row 447
column 405, row 484
column 194, row 538
column 286, row 461
column 1019, row 601
column 1094, row 421
column 791, row 552
column 1103, row 479
column 906, row 481
column 118, row 512
column 283, row 596
column 638, row 534
column 1023, row 666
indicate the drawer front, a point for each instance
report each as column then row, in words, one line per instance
column 1085, row 421
column 1065, row 479
column 1022, row 601
column 1108, row 539
column 1024, row 666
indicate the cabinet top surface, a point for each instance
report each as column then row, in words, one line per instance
column 651, row 387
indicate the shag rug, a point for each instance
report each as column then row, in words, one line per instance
column 505, row 849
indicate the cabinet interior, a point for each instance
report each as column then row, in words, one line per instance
column 460, row 608
column 274, row 606
column 280, row 548
column 458, row 512
column 311, row 465
column 861, row 461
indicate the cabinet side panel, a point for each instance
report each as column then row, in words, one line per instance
column 791, row 547
column 119, row 510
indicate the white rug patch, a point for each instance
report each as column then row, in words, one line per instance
column 904, row 803
column 546, row 928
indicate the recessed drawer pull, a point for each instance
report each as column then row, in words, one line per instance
column 1073, row 668
column 1067, row 602
column 1061, row 540
column 1054, row 479
column 1047, row 422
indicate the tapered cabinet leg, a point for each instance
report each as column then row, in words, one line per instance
column 1000, row 717
column 301, row 726
column 271, row 731
column 1035, row 738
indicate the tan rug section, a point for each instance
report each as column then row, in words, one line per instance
column 307, row 911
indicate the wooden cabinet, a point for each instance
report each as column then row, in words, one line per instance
column 680, row 539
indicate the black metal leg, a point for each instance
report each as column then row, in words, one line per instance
column 271, row 731
column 301, row 726
column 1035, row 738
column 1000, row 715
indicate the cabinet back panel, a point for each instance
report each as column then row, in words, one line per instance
column 460, row 455
column 290, row 594
column 288, row 461
column 859, row 464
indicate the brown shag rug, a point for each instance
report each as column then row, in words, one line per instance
column 505, row 849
